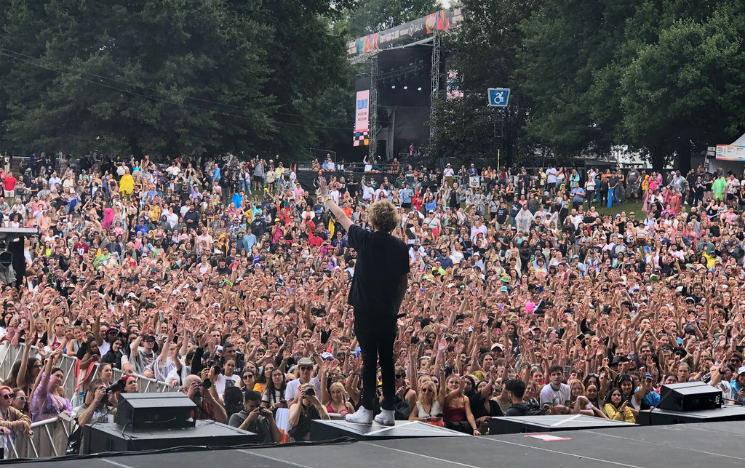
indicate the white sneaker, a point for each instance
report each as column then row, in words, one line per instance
column 386, row 418
column 361, row 416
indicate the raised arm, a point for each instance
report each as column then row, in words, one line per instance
column 42, row 389
column 412, row 368
column 323, row 192
column 322, row 375
column 97, row 329
column 21, row 379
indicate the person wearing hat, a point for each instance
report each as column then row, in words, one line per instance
column 645, row 397
column 737, row 386
column 104, row 340
column 378, row 287
column 305, row 376
column 448, row 175
column 142, row 356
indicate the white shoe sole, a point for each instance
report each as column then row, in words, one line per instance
column 390, row 423
column 367, row 423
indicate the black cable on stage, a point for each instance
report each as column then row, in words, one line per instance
column 184, row 448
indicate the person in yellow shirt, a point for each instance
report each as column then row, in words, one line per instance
column 126, row 184
column 154, row 212
column 710, row 254
column 617, row 409
column 279, row 171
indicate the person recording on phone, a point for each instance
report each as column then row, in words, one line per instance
column 378, row 287
column 304, row 409
column 257, row 419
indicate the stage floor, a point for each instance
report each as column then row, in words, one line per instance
column 681, row 446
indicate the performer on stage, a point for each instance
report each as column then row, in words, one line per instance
column 378, row 288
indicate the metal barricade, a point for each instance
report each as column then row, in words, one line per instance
column 9, row 355
column 49, row 439
column 70, row 379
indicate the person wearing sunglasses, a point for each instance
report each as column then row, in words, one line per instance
column 248, row 380
column 427, row 408
column 20, row 400
column 304, row 376
column 12, row 420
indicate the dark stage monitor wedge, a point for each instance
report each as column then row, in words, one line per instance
column 690, row 396
column 154, row 410
column 664, row 417
column 111, row 437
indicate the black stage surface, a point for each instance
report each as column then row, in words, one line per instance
column 706, row 445
column 327, row 430
column 548, row 423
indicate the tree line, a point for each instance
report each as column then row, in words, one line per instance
column 661, row 76
column 172, row 77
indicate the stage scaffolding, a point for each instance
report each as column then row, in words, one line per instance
column 372, row 58
column 435, row 80
column 373, row 148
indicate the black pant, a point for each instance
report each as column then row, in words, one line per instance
column 376, row 336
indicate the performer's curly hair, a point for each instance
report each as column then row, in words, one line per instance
column 383, row 216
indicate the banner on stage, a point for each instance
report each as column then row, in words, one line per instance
column 439, row 21
column 361, row 138
column 362, row 111
column 362, row 118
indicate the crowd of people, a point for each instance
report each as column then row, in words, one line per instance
column 228, row 279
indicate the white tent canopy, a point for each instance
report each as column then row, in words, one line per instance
column 740, row 141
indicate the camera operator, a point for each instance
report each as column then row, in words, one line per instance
column 257, row 419
column 304, row 409
column 96, row 407
column 203, row 393
column 100, row 401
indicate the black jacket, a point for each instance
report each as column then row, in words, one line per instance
column 518, row 409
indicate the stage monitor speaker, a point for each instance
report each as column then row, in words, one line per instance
column 690, row 396
column 15, row 248
column 154, row 410
column 110, row 437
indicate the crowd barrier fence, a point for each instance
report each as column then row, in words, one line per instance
column 49, row 439
column 9, row 355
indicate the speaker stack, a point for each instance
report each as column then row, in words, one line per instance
column 152, row 421
column 690, row 402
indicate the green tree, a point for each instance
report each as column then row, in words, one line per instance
column 658, row 75
column 484, row 51
column 309, row 72
column 169, row 76
column 684, row 91
column 566, row 44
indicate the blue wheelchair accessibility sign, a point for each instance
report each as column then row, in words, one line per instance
column 498, row 97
